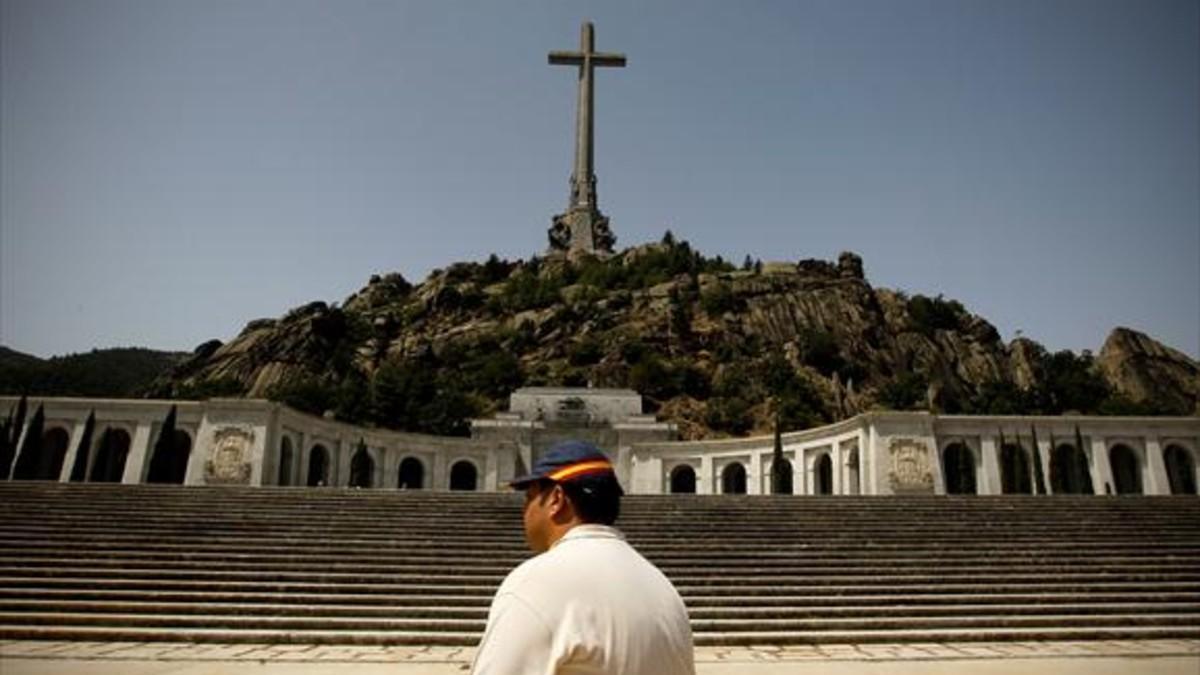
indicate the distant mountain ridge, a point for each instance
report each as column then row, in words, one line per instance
column 119, row 372
column 720, row 350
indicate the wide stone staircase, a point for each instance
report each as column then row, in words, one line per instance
column 302, row 565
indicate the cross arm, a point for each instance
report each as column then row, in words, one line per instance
column 606, row 59
column 566, row 58
column 597, row 58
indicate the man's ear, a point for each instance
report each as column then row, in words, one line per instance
column 559, row 504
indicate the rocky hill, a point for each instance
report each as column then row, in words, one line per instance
column 718, row 349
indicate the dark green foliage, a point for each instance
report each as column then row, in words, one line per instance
column 586, row 351
column 494, row 373
column 1002, row 397
column 719, row 298
column 819, row 349
column 117, row 373
column 730, row 414
column 905, row 392
column 733, row 397
column 221, row 387
column 423, row 395
column 933, row 314
column 798, row 403
column 1071, row 382
column 527, row 290
column 312, row 395
column 1066, row 383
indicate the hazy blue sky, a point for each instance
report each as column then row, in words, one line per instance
column 171, row 170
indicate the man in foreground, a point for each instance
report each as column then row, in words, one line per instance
column 587, row 602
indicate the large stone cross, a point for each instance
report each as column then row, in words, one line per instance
column 583, row 228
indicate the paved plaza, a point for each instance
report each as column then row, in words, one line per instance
column 1142, row 657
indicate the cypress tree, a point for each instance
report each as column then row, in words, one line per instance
column 1038, row 476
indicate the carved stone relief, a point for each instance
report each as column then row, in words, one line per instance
column 228, row 463
column 911, row 469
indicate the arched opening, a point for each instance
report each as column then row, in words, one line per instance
column 1015, row 478
column 1181, row 470
column 109, row 466
column 781, row 484
column 286, row 458
column 463, row 476
column 43, row 458
column 683, row 480
column 823, row 475
column 1126, row 470
column 1069, row 473
column 733, row 479
column 412, row 474
column 318, row 466
column 958, row 469
column 170, row 461
column 362, row 468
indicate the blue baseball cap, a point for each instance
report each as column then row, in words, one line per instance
column 569, row 460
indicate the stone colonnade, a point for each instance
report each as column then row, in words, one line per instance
column 239, row 442
column 912, row 453
column 254, row 442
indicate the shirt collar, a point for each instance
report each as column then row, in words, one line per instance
column 590, row 531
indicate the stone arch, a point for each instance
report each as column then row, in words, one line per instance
column 1126, row 470
column 733, row 479
column 1015, row 475
column 287, row 456
column 170, row 461
column 318, row 466
column 823, row 474
column 464, row 476
column 1069, row 472
column 786, row 487
column 43, row 460
column 109, row 466
column 958, row 469
column 362, row 468
column 683, row 480
column 412, row 474
column 1181, row 469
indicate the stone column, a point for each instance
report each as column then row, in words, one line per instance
column 300, row 459
column 439, row 478
column 1156, row 481
column 705, row 481
column 990, row 476
column 335, row 462
column 754, row 481
column 1046, row 452
column 64, row 476
column 490, row 482
column 139, row 450
column 839, row 470
column 1102, row 479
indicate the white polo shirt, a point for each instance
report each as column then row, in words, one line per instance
column 591, row 604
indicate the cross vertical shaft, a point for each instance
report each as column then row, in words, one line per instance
column 582, row 227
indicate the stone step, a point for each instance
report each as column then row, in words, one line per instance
column 468, row 577
column 828, row 587
column 385, row 567
column 479, row 611
column 1183, row 621
column 729, row 603
column 437, row 638
column 674, row 568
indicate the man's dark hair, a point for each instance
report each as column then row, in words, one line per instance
column 596, row 499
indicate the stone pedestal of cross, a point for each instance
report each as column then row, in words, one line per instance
column 582, row 228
